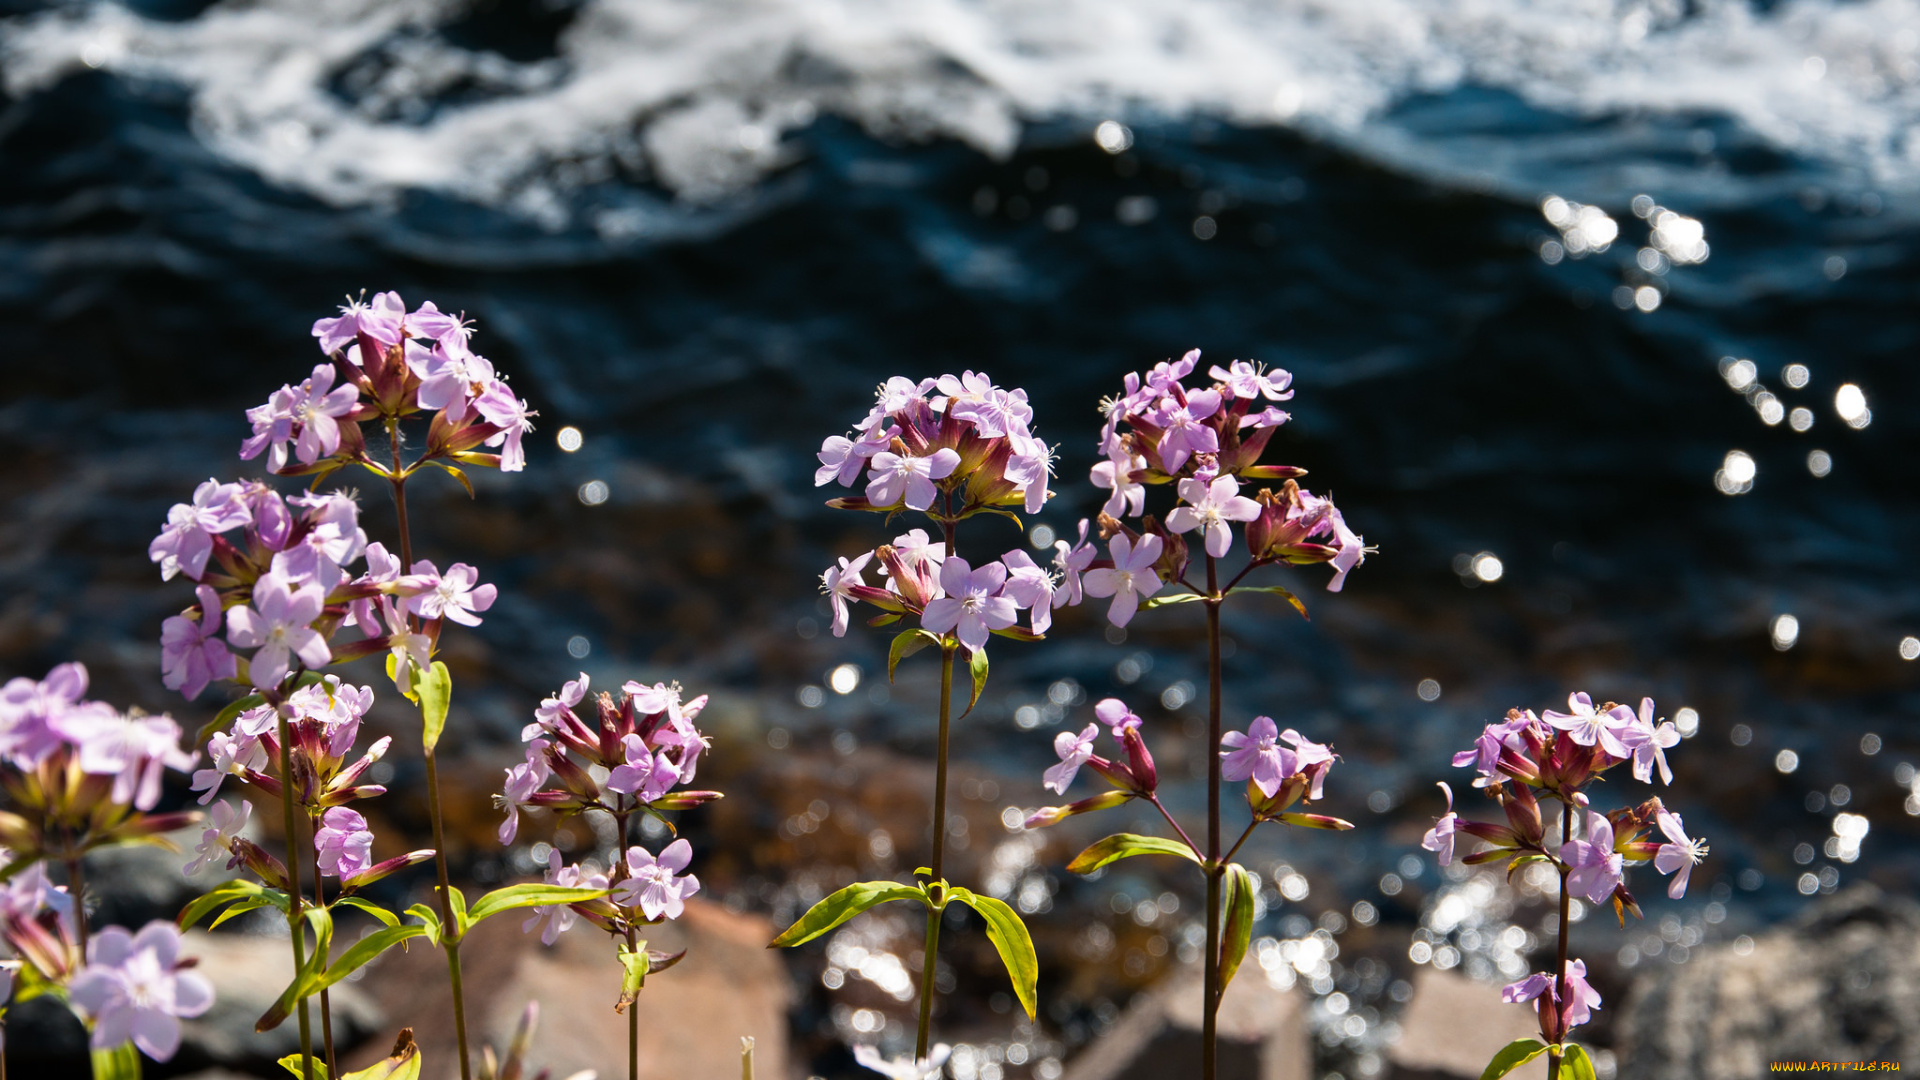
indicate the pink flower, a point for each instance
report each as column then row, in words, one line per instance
column 191, row 656
column 904, row 1068
column 380, row 321
column 1130, row 580
column 30, row 710
column 837, row 582
column 343, row 843
column 655, row 886
column 553, row 710
column 315, row 408
column 1070, row 561
column 279, row 625
column 223, row 824
column 559, row 918
column 522, row 781
column 896, row 477
column 1650, row 744
column 1352, row 549
column 233, row 755
column 450, row 376
column 512, row 416
column 1597, row 868
column 647, row 774
column 1582, row 999
column 1247, row 380
column 1586, row 725
column 454, row 595
column 1439, row 839
column 1680, row 853
column 1074, row 751
column 1119, row 719
column 1257, row 754
column 133, row 987
column 187, row 539
column 1209, row 506
column 1184, row 434
column 1129, row 496
column 1031, row 587
column 132, row 750
column 842, row 458
column 974, row 603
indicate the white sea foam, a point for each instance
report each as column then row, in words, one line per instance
column 698, row 94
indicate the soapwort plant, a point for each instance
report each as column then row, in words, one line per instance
column 949, row 449
column 78, row 776
column 1526, row 758
column 276, row 588
column 1205, row 441
column 629, row 765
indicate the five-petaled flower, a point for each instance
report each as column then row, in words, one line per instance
column 974, row 604
column 280, row 626
column 655, row 885
column 894, row 477
column 1130, row 580
column 133, row 987
column 1679, row 855
column 1209, row 507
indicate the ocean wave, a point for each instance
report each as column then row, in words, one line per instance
column 360, row 101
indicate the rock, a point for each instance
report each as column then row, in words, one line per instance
column 1262, row 1034
column 248, row 973
column 692, row 1016
column 1453, row 1026
column 1842, row 983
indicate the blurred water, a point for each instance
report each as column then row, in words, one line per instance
column 701, row 233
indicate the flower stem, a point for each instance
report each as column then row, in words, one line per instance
column 296, row 925
column 633, row 1007
column 1560, row 983
column 326, row 1007
column 450, row 940
column 1209, row 1033
column 931, row 960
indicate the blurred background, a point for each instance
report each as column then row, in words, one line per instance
column 1599, row 317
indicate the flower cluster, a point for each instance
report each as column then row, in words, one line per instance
column 37, row 920
column 390, row 363
column 951, row 595
column 281, row 586
column 1557, row 755
column 967, row 448
column 1206, row 442
column 634, row 760
column 323, row 724
column 83, row 774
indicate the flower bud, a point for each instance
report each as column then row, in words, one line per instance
column 1053, row 815
column 1140, row 762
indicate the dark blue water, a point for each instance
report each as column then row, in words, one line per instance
column 1457, row 394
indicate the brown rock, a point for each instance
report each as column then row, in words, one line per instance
column 248, row 974
column 692, row 1016
column 1454, row 1026
column 1262, row 1034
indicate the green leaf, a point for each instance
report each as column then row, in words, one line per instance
column 461, row 920
column 119, row 1063
column 844, row 905
column 296, row 1064
column 1242, row 887
column 1277, row 591
column 370, row 908
column 225, row 716
column 238, row 889
column 531, row 894
column 1126, row 846
column 1578, row 1065
column 307, row 981
column 363, row 951
column 402, row 1064
column 1165, row 599
column 634, row 964
column 906, row 643
column 434, row 688
column 977, row 666
column 1517, row 1053
column 458, row 474
column 430, row 919
column 1010, row 938
column 236, row 910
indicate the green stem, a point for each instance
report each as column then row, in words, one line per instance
column 633, row 1007
column 296, row 925
column 1566, row 834
column 326, row 1006
column 77, row 887
column 450, row 941
column 931, row 960
column 1209, row 1026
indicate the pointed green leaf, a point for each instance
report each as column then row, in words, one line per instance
column 844, row 905
column 1242, row 887
column 430, row 919
column 1010, row 938
column 238, row 889
column 1165, row 599
column 393, row 674
column 906, row 643
column 458, row 474
column 1126, row 846
column 306, row 981
column 434, row 687
column 363, row 952
column 120, row 1063
column 457, row 900
column 236, row 910
column 225, row 716
column 297, row 1065
column 1517, row 1053
column 403, row 1065
column 977, row 665
column 1578, row 1065
column 634, row 965
column 370, row 908
column 1277, row 591
column 530, row 894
